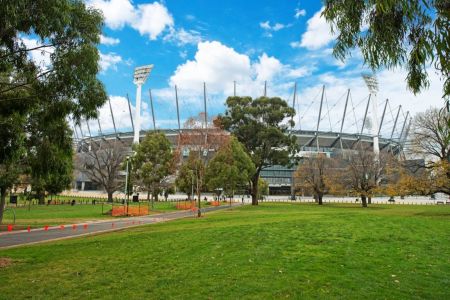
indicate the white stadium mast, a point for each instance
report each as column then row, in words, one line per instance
column 372, row 84
column 140, row 76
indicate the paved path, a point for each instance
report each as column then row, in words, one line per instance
column 23, row 237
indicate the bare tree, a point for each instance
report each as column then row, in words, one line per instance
column 102, row 165
column 431, row 134
column 311, row 176
column 362, row 173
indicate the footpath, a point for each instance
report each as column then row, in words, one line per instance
column 34, row 236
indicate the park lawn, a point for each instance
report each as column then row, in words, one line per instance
column 269, row 251
column 41, row 215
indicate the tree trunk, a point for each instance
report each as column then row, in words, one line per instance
column 320, row 199
column 110, row 197
column 369, row 200
column 2, row 203
column 363, row 201
column 41, row 197
column 255, row 189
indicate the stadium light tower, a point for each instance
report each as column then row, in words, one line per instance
column 140, row 76
column 372, row 84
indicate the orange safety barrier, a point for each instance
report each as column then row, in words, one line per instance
column 186, row 205
column 132, row 211
column 215, row 203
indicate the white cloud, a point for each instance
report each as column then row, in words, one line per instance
column 182, row 37
column 318, row 33
column 298, row 72
column 299, row 13
column 149, row 19
column 152, row 19
column 108, row 40
column 109, row 61
column 117, row 13
column 277, row 26
column 267, row 67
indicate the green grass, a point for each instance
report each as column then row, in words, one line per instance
column 265, row 252
column 40, row 215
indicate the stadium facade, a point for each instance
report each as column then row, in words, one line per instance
column 279, row 178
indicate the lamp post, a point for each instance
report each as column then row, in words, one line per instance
column 126, row 183
column 140, row 76
column 372, row 85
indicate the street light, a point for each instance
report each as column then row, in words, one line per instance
column 372, row 85
column 126, row 183
column 139, row 78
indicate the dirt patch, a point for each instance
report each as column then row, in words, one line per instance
column 5, row 262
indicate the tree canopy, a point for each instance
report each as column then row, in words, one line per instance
column 38, row 96
column 259, row 125
column 153, row 162
column 230, row 169
column 407, row 33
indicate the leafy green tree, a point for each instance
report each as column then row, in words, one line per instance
column 190, row 176
column 258, row 125
column 263, row 188
column 153, row 162
column 35, row 95
column 407, row 33
column 230, row 169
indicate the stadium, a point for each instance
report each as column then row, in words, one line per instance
column 366, row 131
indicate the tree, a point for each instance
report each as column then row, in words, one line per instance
column 361, row 173
column 190, row 176
column 153, row 162
column 258, row 125
column 34, row 95
column 263, row 188
column 102, row 165
column 230, row 168
column 409, row 33
column 312, row 176
column 431, row 134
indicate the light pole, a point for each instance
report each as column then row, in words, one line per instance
column 126, row 183
column 372, row 85
column 140, row 76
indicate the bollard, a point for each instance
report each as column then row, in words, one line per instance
column 46, row 227
column 28, row 228
column 85, row 226
column 74, row 226
column 10, row 227
column 61, row 227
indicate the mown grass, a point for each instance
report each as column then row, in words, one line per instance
column 265, row 252
column 40, row 215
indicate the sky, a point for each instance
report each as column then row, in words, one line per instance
column 247, row 41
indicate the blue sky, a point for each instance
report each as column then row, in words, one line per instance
column 247, row 41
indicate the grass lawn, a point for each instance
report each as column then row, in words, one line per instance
column 269, row 251
column 40, row 215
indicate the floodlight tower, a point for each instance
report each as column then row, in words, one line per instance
column 140, row 76
column 372, row 84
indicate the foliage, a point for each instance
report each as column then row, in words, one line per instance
column 409, row 33
column 311, row 176
column 190, row 175
column 153, row 162
column 102, row 164
column 263, row 188
column 230, row 169
column 37, row 97
column 257, row 124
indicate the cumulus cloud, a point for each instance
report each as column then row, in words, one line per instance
column 149, row 19
column 109, row 61
column 317, row 35
column 108, row 40
column 267, row 67
column 272, row 28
